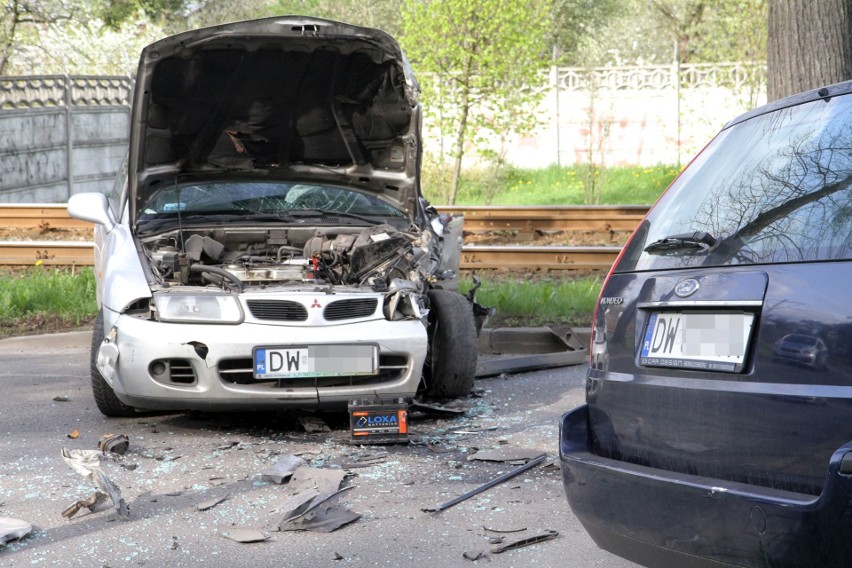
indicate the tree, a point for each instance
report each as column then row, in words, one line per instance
column 481, row 65
column 809, row 45
column 20, row 16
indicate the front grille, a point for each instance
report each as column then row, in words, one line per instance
column 350, row 309
column 282, row 310
column 240, row 372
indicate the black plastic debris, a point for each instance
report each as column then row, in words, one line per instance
column 484, row 487
column 542, row 536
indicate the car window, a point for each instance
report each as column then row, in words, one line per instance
column 264, row 198
column 772, row 189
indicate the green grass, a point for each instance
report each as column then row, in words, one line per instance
column 552, row 301
column 552, row 186
column 46, row 296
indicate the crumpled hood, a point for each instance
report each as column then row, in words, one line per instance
column 291, row 98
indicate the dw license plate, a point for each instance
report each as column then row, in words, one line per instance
column 298, row 361
column 698, row 341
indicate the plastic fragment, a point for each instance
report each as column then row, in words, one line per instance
column 244, row 535
column 114, row 443
column 13, row 529
column 320, row 513
column 283, row 469
column 89, row 503
column 210, row 503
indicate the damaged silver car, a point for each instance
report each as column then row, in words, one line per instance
column 267, row 243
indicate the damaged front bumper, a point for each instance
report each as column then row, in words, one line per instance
column 167, row 366
column 663, row 518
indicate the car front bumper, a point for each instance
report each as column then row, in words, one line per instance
column 667, row 519
column 168, row 366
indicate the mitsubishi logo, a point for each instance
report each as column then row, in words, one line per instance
column 316, row 304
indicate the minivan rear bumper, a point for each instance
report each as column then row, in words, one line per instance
column 665, row 519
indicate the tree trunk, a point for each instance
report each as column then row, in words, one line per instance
column 459, row 148
column 809, row 45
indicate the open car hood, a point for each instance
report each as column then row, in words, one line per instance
column 290, row 98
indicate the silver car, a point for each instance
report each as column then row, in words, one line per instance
column 267, row 243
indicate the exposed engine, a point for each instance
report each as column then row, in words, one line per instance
column 241, row 257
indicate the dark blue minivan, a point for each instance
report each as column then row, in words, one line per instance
column 718, row 423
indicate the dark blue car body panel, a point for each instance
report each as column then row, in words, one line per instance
column 751, row 466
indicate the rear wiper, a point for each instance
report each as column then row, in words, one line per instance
column 689, row 243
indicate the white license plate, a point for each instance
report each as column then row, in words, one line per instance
column 699, row 341
column 297, row 361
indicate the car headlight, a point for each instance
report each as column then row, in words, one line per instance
column 198, row 308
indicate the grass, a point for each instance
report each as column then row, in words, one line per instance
column 545, row 301
column 45, row 299
column 554, row 186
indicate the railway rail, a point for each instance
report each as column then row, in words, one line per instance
column 477, row 219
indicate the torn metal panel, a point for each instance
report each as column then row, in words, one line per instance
column 87, row 463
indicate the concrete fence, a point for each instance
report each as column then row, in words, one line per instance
column 61, row 135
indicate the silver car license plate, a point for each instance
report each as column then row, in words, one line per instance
column 699, row 341
column 297, row 361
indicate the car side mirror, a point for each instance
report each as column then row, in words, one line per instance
column 92, row 207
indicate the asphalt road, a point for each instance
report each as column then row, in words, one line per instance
column 176, row 461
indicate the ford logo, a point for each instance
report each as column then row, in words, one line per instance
column 686, row 288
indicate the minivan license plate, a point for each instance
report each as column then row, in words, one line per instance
column 699, row 341
column 297, row 361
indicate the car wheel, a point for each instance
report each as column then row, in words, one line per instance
column 451, row 358
column 105, row 398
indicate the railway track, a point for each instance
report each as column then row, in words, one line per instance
column 46, row 217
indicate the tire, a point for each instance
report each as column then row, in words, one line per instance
column 451, row 356
column 105, row 398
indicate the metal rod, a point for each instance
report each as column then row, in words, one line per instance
column 496, row 481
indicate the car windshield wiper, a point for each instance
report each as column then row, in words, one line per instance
column 688, row 243
column 317, row 212
column 154, row 223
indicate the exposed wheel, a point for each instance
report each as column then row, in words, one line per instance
column 105, row 398
column 451, row 359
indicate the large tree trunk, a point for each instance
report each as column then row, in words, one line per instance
column 809, row 45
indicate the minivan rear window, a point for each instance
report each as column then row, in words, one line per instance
column 776, row 191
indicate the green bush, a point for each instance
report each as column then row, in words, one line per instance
column 549, row 186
